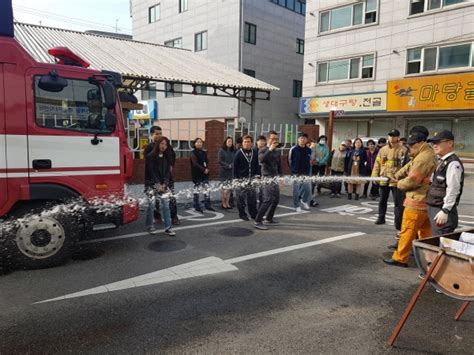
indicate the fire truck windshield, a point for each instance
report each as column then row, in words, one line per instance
column 79, row 106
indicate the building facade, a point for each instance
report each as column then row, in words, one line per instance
column 264, row 39
column 386, row 64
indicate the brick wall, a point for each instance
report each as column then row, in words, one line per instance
column 214, row 137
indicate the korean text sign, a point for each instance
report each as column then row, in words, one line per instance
column 349, row 103
column 437, row 92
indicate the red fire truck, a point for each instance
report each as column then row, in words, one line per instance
column 62, row 142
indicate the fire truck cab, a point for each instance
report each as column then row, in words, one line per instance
column 62, row 143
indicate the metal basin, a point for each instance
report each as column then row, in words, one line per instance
column 454, row 275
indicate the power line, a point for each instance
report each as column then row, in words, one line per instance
column 66, row 19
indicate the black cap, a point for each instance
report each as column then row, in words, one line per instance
column 394, row 133
column 416, row 137
column 442, row 135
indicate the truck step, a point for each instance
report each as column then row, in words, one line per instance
column 104, row 226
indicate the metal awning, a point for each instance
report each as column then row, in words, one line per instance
column 140, row 63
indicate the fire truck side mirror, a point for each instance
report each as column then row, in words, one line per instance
column 110, row 95
column 52, row 82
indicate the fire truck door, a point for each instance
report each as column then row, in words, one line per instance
column 3, row 145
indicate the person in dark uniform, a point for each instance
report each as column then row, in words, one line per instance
column 245, row 170
column 446, row 186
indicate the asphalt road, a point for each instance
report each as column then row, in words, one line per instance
column 292, row 289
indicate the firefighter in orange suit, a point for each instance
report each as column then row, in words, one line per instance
column 414, row 179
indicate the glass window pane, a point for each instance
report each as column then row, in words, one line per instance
column 370, row 17
column 322, row 72
column 371, row 5
column 417, row 7
column 341, row 17
column 355, row 64
column 413, row 67
column 358, row 8
column 454, row 57
column 414, row 54
column 204, row 40
column 452, row 2
column 338, row 70
column 324, row 25
column 368, row 60
column 429, row 59
column 290, row 4
column 282, row 2
column 367, row 72
column 434, row 4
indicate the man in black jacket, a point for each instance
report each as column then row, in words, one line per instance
column 270, row 160
column 245, row 169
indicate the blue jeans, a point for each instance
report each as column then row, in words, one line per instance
column 302, row 189
column 164, row 209
column 207, row 198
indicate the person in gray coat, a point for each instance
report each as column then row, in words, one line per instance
column 226, row 172
column 269, row 158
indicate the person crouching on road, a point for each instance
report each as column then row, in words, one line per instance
column 446, row 186
column 158, row 172
column 356, row 160
column 269, row 158
column 414, row 179
column 338, row 159
column 200, row 175
column 245, row 170
column 299, row 158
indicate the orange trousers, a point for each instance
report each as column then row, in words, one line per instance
column 415, row 223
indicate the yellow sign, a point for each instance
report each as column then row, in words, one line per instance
column 143, row 143
column 436, row 92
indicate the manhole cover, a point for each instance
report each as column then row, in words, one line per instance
column 87, row 254
column 167, row 245
column 236, row 232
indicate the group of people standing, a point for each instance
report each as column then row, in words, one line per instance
column 425, row 191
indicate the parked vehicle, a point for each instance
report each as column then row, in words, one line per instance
column 62, row 141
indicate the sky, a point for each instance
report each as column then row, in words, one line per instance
column 79, row 15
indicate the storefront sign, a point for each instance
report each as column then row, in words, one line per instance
column 436, row 92
column 374, row 101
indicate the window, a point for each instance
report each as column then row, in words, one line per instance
column 170, row 90
column 250, row 72
column 250, row 33
column 360, row 13
column 201, row 89
column 298, row 6
column 200, row 41
column 183, row 5
column 176, row 43
column 150, row 92
column 419, row 6
column 154, row 13
column 78, row 107
column 428, row 59
column 297, row 88
column 355, row 68
column 300, row 46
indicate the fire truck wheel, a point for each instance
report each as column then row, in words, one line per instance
column 40, row 240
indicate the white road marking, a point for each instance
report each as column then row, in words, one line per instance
column 207, row 266
column 196, row 216
column 293, row 247
column 201, row 225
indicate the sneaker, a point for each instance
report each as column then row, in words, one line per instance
column 199, row 210
column 421, row 275
column 338, row 195
column 170, row 232
column 380, row 221
column 333, row 195
column 244, row 217
column 397, row 236
column 298, row 209
column 393, row 246
column 261, row 226
column 305, row 206
column 211, row 209
column 152, row 230
column 272, row 221
column 314, row 204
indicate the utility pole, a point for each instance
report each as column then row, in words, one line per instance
column 116, row 28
